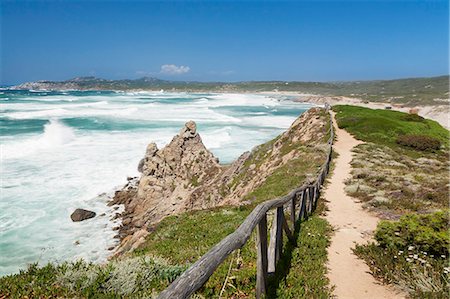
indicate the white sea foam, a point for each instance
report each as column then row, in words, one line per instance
column 55, row 135
column 45, row 176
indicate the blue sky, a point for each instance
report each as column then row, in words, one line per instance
column 223, row 41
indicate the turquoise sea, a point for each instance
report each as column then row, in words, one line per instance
column 71, row 149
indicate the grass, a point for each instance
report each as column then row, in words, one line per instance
column 286, row 178
column 302, row 269
column 383, row 127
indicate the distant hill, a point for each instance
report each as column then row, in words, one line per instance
column 434, row 90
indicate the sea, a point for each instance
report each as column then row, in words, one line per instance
column 62, row 150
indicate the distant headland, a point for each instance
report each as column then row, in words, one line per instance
column 425, row 91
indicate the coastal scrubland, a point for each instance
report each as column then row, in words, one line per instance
column 179, row 240
column 406, row 183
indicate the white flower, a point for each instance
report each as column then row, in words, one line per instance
column 410, row 247
column 416, row 256
column 443, row 256
column 408, row 260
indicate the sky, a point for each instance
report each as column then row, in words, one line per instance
column 224, row 40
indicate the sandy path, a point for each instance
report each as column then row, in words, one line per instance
column 349, row 274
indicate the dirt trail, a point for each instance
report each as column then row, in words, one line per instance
column 347, row 273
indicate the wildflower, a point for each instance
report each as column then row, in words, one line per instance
column 424, row 253
column 442, row 256
column 395, row 256
column 416, row 256
column 408, row 260
column 400, row 252
column 410, row 247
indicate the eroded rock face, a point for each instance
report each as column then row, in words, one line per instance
column 169, row 176
column 81, row 214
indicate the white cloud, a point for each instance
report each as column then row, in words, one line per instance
column 172, row 69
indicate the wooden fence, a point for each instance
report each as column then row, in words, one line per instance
column 300, row 202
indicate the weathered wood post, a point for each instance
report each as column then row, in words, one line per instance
column 276, row 240
column 261, row 263
column 311, row 199
column 293, row 202
column 307, row 196
column 301, row 214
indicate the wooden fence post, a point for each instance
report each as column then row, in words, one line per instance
column 301, row 213
column 261, row 263
column 276, row 239
column 293, row 211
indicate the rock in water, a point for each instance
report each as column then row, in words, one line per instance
column 81, row 214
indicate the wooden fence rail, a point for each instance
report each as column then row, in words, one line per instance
column 268, row 253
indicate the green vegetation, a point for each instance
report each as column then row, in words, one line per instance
column 305, row 265
column 403, row 168
column 286, row 178
column 133, row 277
column 420, row 142
column 412, row 253
column 393, row 178
column 383, row 127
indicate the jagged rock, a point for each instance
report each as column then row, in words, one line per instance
column 81, row 214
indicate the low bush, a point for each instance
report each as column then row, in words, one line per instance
column 412, row 253
column 428, row 233
column 419, row 142
column 136, row 277
column 413, row 117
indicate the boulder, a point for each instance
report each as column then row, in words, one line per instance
column 81, row 214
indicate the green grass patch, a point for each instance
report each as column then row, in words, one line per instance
column 186, row 237
column 305, row 264
column 286, row 178
column 385, row 126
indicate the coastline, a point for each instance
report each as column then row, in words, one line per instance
column 439, row 113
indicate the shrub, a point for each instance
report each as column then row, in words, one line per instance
column 419, row 142
column 119, row 277
column 428, row 233
column 412, row 253
column 413, row 117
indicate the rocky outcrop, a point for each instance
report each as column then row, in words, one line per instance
column 81, row 214
column 169, row 177
column 184, row 175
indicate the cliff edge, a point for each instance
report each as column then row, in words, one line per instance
column 185, row 176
